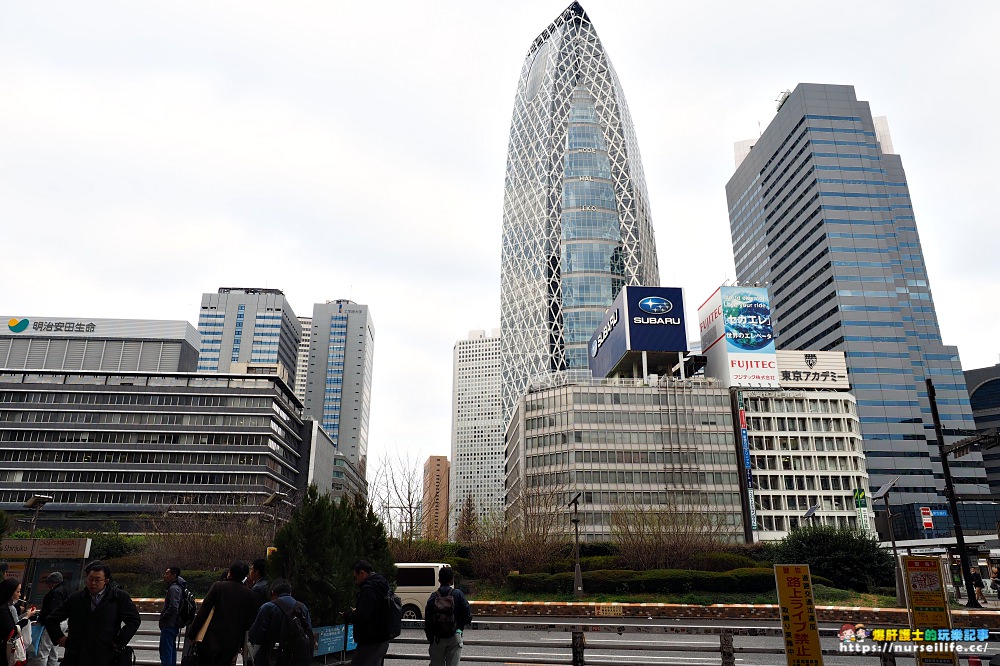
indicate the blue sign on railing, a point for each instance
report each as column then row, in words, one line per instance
column 331, row 639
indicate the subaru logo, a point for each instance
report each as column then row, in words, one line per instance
column 655, row 305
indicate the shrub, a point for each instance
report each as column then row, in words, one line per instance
column 851, row 559
column 755, row 579
column 723, row 561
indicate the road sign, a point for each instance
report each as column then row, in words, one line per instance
column 928, row 599
column 798, row 615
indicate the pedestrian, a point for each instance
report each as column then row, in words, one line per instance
column 995, row 580
column 977, row 582
column 224, row 617
column 445, row 617
column 11, row 623
column 266, row 628
column 170, row 620
column 48, row 654
column 101, row 620
column 257, row 582
column 370, row 616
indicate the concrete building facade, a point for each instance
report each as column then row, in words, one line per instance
column 93, row 345
column 113, row 446
column 984, row 396
column 626, row 446
column 820, row 211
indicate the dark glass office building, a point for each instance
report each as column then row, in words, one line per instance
column 820, row 211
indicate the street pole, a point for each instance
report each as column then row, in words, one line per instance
column 949, row 490
column 577, row 574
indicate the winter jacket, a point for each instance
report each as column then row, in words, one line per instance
column 370, row 617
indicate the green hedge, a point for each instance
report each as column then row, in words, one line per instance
column 725, row 562
column 593, row 563
column 653, row 581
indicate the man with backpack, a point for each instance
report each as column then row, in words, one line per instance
column 283, row 629
column 177, row 612
column 370, row 617
column 445, row 617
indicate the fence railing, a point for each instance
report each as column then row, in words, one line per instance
column 410, row 647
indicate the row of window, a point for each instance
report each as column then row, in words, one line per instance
column 618, row 437
column 634, row 419
column 634, row 457
column 802, row 443
column 169, row 400
column 132, row 418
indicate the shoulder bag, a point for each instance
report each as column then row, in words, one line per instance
column 16, row 654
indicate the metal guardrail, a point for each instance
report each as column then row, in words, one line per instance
column 148, row 641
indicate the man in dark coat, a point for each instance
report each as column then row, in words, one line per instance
column 54, row 598
column 266, row 628
column 234, row 610
column 257, row 583
column 371, row 630
column 102, row 620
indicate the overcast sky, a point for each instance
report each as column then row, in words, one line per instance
column 153, row 151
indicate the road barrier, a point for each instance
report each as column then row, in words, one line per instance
column 403, row 648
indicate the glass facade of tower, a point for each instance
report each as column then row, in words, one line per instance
column 576, row 213
column 820, row 210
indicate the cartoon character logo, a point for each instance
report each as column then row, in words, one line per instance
column 860, row 633
column 846, row 634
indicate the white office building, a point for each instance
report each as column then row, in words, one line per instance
column 477, row 442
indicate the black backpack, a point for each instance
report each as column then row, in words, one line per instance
column 442, row 620
column 188, row 607
column 295, row 643
column 394, row 614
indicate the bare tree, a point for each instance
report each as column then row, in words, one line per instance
column 468, row 523
column 527, row 537
column 666, row 536
column 396, row 496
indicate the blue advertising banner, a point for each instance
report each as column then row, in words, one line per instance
column 656, row 319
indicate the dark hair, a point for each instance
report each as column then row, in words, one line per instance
column 238, row 570
column 363, row 565
column 259, row 565
column 7, row 587
column 97, row 565
column 280, row 586
column 446, row 576
column 174, row 570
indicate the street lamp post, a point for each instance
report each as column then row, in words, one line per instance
column 883, row 494
column 949, row 491
column 36, row 502
column 577, row 574
column 274, row 501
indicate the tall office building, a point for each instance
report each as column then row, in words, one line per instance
column 477, row 447
column 435, row 499
column 984, row 394
column 576, row 223
column 302, row 360
column 820, row 210
column 339, row 381
column 248, row 331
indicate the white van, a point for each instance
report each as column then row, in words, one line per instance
column 415, row 581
